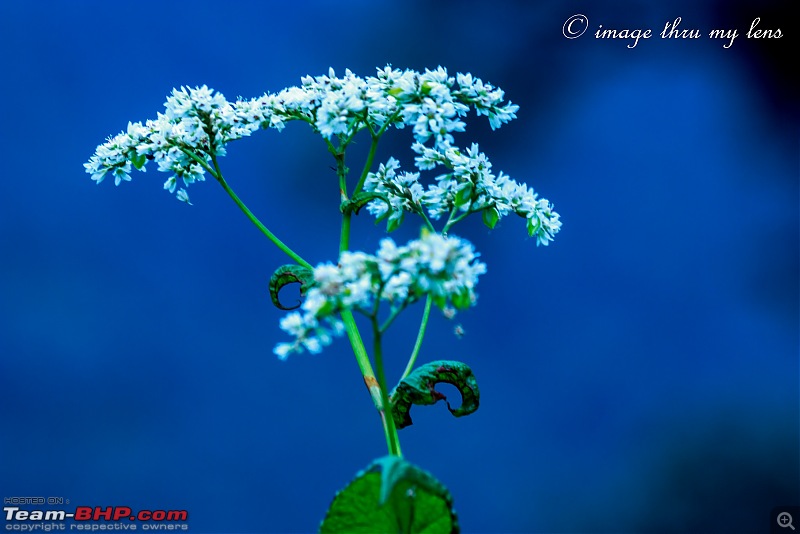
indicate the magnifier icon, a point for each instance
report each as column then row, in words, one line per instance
column 785, row 520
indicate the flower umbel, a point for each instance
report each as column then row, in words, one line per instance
column 446, row 268
column 194, row 128
column 198, row 122
column 193, row 131
column 468, row 187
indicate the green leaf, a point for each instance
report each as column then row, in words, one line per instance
column 138, row 161
column 462, row 300
column 533, row 227
column 439, row 300
column 464, row 195
column 392, row 495
column 360, row 200
column 394, row 223
column 490, row 217
column 289, row 274
column 419, row 387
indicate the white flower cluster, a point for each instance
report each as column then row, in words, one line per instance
column 402, row 192
column 198, row 121
column 447, row 268
column 468, row 186
column 430, row 102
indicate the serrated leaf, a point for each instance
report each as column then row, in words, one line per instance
column 360, row 200
column 392, row 495
column 419, row 387
column 289, row 274
column 490, row 217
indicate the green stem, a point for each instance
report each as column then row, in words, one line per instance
column 373, row 147
column 428, row 222
column 217, row 174
column 376, row 386
column 389, row 320
column 392, row 440
column 451, row 221
column 344, row 240
column 420, row 335
column 272, row 237
column 341, row 170
column 362, row 359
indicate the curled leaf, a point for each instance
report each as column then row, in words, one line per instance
column 360, row 200
column 289, row 274
column 392, row 495
column 419, row 387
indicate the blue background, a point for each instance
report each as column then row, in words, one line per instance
column 639, row 375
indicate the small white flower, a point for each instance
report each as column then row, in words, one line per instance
column 122, row 173
column 282, row 350
column 183, row 196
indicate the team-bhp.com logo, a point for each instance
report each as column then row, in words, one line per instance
column 94, row 518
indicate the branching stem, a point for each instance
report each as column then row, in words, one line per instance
column 217, row 174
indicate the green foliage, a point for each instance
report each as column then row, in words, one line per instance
column 393, row 223
column 490, row 217
column 138, row 160
column 462, row 300
column 464, row 194
column 419, row 387
column 289, row 274
column 533, row 225
column 392, row 495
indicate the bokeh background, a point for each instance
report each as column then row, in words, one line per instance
column 639, row 375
